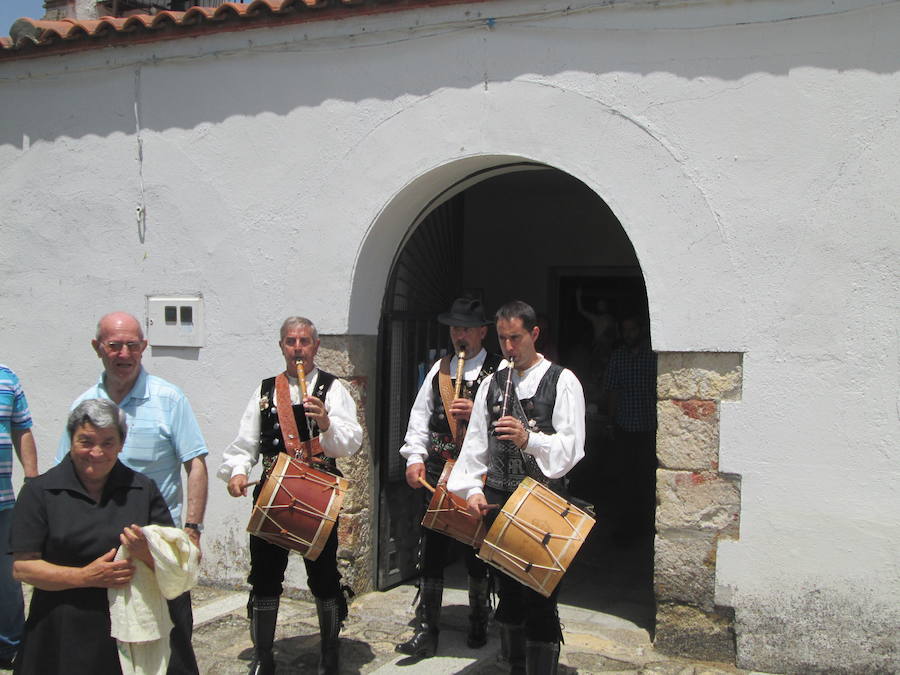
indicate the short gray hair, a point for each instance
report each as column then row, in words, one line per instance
column 100, row 413
column 294, row 321
column 99, row 334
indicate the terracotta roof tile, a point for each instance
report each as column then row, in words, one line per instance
column 31, row 38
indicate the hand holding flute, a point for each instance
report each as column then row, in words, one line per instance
column 460, row 408
column 315, row 409
column 509, row 428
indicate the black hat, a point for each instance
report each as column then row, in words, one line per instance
column 466, row 312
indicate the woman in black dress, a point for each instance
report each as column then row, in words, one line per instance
column 67, row 525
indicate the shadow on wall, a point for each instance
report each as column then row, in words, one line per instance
column 305, row 67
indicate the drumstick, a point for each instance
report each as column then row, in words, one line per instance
column 251, row 483
column 425, row 483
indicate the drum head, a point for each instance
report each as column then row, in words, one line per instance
column 535, row 536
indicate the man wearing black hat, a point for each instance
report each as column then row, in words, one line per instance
column 429, row 443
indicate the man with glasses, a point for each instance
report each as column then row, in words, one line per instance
column 163, row 436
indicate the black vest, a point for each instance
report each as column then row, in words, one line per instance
column 507, row 464
column 441, row 446
column 271, row 442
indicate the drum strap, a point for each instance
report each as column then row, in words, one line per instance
column 445, row 383
column 295, row 445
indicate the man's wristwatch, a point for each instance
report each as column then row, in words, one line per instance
column 194, row 526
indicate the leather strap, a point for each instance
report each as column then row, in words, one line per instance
column 295, row 444
column 445, row 384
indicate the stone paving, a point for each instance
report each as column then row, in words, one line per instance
column 595, row 642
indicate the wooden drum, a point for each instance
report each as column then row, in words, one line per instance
column 449, row 514
column 297, row 507
column 535, row 536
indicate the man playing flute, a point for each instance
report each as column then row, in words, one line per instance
column 429, row 443
column 330, row 413
column 538, row 431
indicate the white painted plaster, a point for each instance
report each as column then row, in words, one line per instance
column 749, row 155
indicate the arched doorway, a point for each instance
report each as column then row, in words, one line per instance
column 538, row 234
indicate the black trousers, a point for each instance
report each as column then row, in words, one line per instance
column 519, row 605
column 182, row 660
column 268, row 563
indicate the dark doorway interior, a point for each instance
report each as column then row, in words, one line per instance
column 544, row 237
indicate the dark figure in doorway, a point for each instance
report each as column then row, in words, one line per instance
column 430, row 442
column 631, row 386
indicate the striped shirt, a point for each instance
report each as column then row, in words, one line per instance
column 14, row 414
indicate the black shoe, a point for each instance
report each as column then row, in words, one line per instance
column 263, row 663
column 424, row 642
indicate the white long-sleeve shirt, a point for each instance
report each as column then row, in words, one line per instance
column 555, row 454
column 343, row 438
column 415, row 443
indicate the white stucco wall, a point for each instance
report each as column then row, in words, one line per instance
column 748, row 150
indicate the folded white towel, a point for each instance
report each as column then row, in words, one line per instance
column 138, row 613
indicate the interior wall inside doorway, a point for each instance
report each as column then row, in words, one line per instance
column 532, row 221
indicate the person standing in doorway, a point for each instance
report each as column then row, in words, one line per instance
column 436, row 427
column 631, row 387
column 163, row 437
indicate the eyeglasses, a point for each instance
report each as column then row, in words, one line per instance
column 116, row 347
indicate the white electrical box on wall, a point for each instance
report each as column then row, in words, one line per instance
column 175, row 321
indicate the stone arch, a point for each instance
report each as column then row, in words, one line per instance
column 404, row 163
column 403, row 166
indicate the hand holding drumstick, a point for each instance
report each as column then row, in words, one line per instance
column 479, row 507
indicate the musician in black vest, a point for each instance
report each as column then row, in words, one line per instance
column 436, row 424
column 329, row 412
column 538, row 433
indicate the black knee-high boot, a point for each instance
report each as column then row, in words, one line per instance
column 541, row 658
column 424, row 641
column 512, row 647
column 263, row 618
column 479, row 612
column 329, row 612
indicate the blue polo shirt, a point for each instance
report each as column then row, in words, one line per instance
column 162, row 434
column 13, row 415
